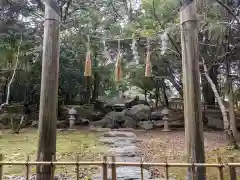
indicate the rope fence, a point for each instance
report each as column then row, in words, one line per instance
column 231, row 166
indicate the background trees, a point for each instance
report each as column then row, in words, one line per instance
column 104, row 22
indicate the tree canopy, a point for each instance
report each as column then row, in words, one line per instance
column 105, row 24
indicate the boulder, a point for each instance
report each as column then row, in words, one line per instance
column 140, row 112
column 156, row 116
column 147, row 125
column 60, row 124
column 116, row 120
column 34, row 124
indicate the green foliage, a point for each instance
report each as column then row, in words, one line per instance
column 102, row 19
column 140, row 81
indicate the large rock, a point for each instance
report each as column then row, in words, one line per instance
column 60, row 124
column 128, row 118
column 140, row 112
column 116, row 120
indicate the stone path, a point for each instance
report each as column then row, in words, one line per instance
column 122, row 144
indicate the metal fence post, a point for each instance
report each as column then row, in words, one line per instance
column 232, row 170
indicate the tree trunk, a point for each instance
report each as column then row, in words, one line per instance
column 145, row 95
column 194, row 140
column 4, row 90
column 157, row 96
column 14, row 72
column 226, row 123
column 208, row 94
column 96, row 85
column 232, row 117
column 49, row 93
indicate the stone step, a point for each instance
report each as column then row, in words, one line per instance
column 119, row 134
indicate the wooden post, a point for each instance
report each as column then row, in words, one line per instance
column 191, row 88
column 232, row 170
column 49, row 91
column 142, row 177
column 27, row 168
column 1, row 167
column 114, row 172
column 166, row 170
column 105, row 169
column 220, row 169
column 77, row 166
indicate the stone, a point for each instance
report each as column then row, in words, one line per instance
column 34, row 124
column 119, row 134
column 140, row 112
column 62, row 124
column 127, row 118
column 147, row 125
column 116, row 120
column 123, row 145
column 156, row 116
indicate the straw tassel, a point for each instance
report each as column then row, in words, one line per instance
column 88, row 65
column 148, row 68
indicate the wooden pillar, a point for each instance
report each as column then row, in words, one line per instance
column 191, row 87
column 49, row 91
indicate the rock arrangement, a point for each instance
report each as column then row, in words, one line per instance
column 128, row 118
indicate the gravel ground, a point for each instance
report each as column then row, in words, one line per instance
column 33, row 177
column 157, row 146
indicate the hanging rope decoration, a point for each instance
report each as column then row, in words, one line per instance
column 148, row 68
column 105, row 52
column 88, row 61
column 118, row 68
column 137, row 5
column 135, row 52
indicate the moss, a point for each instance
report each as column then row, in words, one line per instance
column 16, row 147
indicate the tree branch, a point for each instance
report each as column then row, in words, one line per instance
column 229, row 10
column 14, row 72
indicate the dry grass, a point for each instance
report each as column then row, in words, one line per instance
column 15, row 147
column 157, row 145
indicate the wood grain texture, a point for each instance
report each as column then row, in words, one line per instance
column 191, row 89
column 49, row 93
